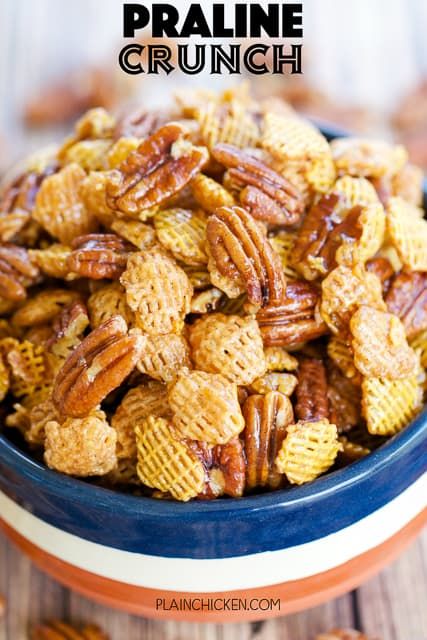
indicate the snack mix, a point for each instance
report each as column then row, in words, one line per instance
column 211, row 300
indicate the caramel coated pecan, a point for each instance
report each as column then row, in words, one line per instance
column 383, row 269
column 17, row 201
column 407, row 299
column 224, row 466
column 266, row 417
column 265, row 193
column 242, row 252
column 16, row 272
column 294, row 318
column 58, row 630
column 68, row 329
column 97, row 366
column 322, row 233
column 99, row 255
column 343, row 634
column 344, row 400
column 312, row 391
column 160, row 167
column 140, row 123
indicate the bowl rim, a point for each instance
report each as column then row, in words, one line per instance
column 60, row 484
column 324, row 486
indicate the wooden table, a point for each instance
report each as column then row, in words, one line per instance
column 392, row 606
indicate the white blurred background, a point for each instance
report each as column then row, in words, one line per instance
column 361, row 58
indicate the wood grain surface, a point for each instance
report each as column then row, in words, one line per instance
column 392, row 606
column 40, row 39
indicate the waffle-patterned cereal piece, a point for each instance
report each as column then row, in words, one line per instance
column 380, row 346
column 354, row 192
column 389, row 405
column 408, row 184
column 27, row 364
column 292, row 138
column 229, row 345
column 165, row 463
column 90, row 155
column 59, row 207
column 340, row 352
column 309, row 449
column 139, row 234
column 52, row 261
column 82, row 446
column 158, row 291
column 367, row 158
column 44, row 307
column 106, row 302
column 371, row 224
column 163, row 356
column 230, row 123
column 343, row 291
column 408, row 234
column 321, row 173
column 149, row 399
column 283, row 243
column 210, row 194
column 93, row 194
column 205, row 407
column 120, row 150
column 39, row 415
column 183, row 233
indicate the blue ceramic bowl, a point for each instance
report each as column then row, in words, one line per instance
column 219, row 560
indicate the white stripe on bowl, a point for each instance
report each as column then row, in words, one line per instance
column 226, row 574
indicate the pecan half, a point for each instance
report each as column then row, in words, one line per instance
column 383, row 269
column 17, row 201
column 293, row 319
column 97, row 366
column 267, row 417
column 140, row 123
column 322, row 233
column 160, row 167
column 407, row 299
column 242, row 252
column 16, row 272
column 343, row 634
column 344, row 400
column 68, row 329
column 58, row 630
column 99, row 255
column 265, row 193
column 312, row 391
column 225, row 467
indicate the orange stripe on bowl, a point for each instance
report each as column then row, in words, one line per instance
column 294, row 596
